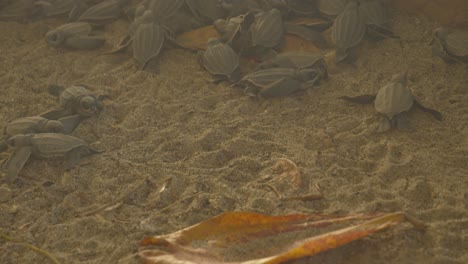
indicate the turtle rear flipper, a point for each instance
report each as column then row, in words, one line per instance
column 56, row 114
column 436, row 114
column 70, row 123
column 360, row 99
column 16, row 162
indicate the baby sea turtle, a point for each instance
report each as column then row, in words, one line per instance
column 392, row 102
column 376, row 18
column 38, row 124
column 235, row 30
column 450, row 44
column 147, row 42
column 74, row 100
column 297, row 60
column 275, row 82
column 220, row 60
column 74, row 35
column 163, row 9
column 103, row 12
column 348, row 30
column 45, row 145
column 206, row 10
column 52, row 8
column 331, row 8
column 267, row 29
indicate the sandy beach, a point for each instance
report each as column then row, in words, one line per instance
column 210, row 143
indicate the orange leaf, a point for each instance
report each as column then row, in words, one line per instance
column 296, row 43
column 236, row 228
column 197, row 38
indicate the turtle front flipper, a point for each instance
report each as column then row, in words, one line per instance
column 72, row 158
column 16, row 162
column 436, row 114
column 123, row 44
column 70, row 123
column 360, row 99
column 56, row 114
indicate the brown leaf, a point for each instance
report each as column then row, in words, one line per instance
column 239, row 228
column 296, row 43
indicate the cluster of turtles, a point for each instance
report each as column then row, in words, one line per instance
column 254, row 29
column 47, row 135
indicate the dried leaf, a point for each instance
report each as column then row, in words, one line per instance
column 197, row 38
column 296, row 43
column 236, row 228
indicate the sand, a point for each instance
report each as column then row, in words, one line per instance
column 211, row 144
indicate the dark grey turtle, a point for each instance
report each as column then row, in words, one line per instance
column 348, row 30
column 331, row 8
column 376, row 17
column 267, row 29
column 275, row 82
column 55, row 7
column 392, row 102
column 307, row 33
column 39, row 124
column 103, row 12
column 237, row 8
column 450, row 44
column 74, row 100
column 141, row 16
column 206, row 10
column 235, row 30
column 298, row 7
column 74, row 35
column 297, row 60
column 45, row 145
column 79, row 8
column 163, row 9
column 147, row 42
column 220, row 60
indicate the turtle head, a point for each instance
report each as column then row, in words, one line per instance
column 213, row 41
column 147, row 17
column 220, row 25
column 88, row 106
column 54, row 38
column 19, row 141
column 139, row 11
column 400, row 77
column 53, row 126
column 441, row 32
